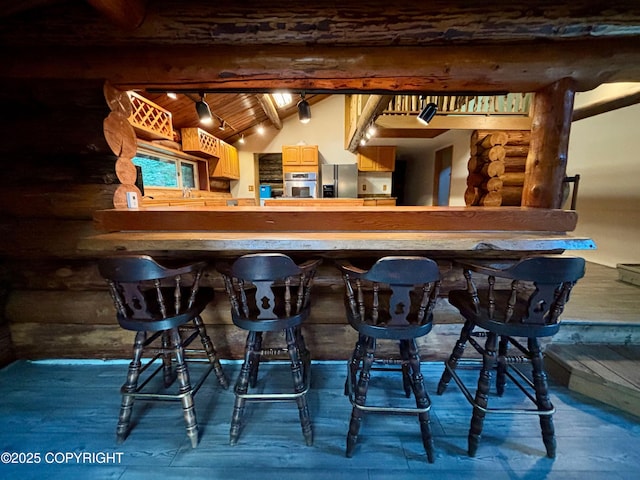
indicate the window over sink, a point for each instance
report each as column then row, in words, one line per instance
column 165, row 171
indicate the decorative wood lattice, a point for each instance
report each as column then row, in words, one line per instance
column 201, row 143
column 151, row 121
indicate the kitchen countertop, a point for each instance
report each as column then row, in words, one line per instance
column 436, row 231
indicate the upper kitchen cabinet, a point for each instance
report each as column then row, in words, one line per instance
column 377, row 159
column 228, row 165
column 300, row 155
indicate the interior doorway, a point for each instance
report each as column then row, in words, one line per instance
column 442, row 176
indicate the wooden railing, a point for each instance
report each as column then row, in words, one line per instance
column 509, row 104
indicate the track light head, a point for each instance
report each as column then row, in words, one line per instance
column 304, row 110
column 427, row 113
column 204, row 113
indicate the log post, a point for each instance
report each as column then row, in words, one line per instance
column 547, row 159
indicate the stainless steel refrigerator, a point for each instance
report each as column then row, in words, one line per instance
column 339, row 181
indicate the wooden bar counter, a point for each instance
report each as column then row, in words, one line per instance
column 335, row 231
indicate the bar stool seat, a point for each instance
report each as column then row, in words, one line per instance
column 163, row 306
column 270, row 294
column 393, row 300
column 528, row 306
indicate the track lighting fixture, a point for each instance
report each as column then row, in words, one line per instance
column 241, row 141
column 427, row 113
column 304, row 110
column 223, row 125
column 204, row 113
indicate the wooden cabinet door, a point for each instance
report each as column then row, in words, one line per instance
column 367, row 159
column 308, row 155
column 228, row 165
column 386, row 161
column 234, row 163
column 290, row 155
column 377, row 159
column 221, row 165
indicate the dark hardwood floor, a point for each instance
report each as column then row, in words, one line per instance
column 58, row 408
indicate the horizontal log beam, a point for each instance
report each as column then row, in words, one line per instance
column 375, row 22
column 482, row 68
column 284, row 220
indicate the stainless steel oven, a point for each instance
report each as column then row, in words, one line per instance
column 301, row 184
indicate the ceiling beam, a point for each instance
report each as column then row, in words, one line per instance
column 480, row 68
column 376, row 104
column 374, row 23
column 604, row 106
column 126, row 14
column 270, row 110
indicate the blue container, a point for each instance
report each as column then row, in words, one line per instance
column 265, row 191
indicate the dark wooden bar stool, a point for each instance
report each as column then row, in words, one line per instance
column 530, row 306
column 393, row 300
column 270, row 294
column 163, row 305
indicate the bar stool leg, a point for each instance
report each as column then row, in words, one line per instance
column 255, row 360
column 354, row 364
column 361, row 394
column 298, row 374
column 211, row 352
column 169, row 375
column 406, row 378
column 455, row 356
column 302, row 345
column 422, row 398
column 501, row 370
column 482, row 393
column 542, row 397
column 241, row 388
column 184, row 383
column 129, row 388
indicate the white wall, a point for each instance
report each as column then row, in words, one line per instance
column 419, row 182
column 604, row 151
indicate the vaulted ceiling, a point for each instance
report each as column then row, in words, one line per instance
column 242, row 113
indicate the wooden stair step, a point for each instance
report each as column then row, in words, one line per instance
column 607, row 373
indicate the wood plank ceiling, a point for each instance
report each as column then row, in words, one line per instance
column 242, row 113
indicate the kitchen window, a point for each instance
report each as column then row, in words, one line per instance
column 164, row 171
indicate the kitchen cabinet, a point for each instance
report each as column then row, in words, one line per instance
column 228, row 164
column 377, row 159
column 201, row 143
column 300, row 155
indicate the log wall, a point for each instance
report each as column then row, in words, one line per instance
column 497, row 167
column 57, row 170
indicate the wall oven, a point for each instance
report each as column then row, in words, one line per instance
column 301, row 184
